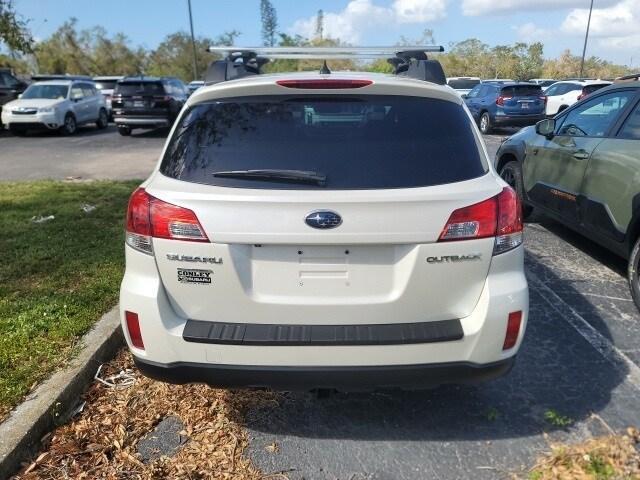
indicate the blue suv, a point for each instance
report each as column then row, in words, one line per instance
column 506, row 104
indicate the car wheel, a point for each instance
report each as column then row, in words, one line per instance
column 512, row 174
column 485, row 123
column 632, row 273
column 103, row 119
column 124, row 131
column 70, row 126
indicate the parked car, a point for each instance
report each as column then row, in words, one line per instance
column 10, row 88
column 463, row 85
column 56, row 105
column 582, row 168
column 509, row 104
column 193, row 86
column 543, row 82
column 106, row 85
column 562, row 95
column 43, row 77
column 147, row 102
column 283, row 241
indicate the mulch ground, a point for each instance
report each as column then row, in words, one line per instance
column 100, row 442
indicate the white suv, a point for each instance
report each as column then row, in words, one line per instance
column 308, row 231
column 562, row 95
column 56, row 105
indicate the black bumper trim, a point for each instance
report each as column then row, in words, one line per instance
column 356, row 378
column 198, row 331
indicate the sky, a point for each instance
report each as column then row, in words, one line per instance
column 559, row 24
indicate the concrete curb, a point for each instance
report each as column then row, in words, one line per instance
column 43, row 409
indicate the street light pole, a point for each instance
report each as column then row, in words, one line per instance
column 193, row 44
column 586, row 37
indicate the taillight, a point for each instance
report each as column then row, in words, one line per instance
column 148, row 216
column 133, row 328
column 500, row 100
column 544, row 99
column 328, row 84
column 513, row 330
column 498, row 217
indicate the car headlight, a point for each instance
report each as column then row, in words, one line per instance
column 46, row 110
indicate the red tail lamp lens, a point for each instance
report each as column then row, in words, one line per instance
column 133, row 327
column 513, row 330
column 324, row 84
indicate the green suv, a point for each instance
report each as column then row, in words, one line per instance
column 582, row 167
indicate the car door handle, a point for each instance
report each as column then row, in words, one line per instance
column 581, row 154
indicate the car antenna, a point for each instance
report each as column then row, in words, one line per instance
column 325, row 69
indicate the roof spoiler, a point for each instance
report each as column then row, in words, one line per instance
column 240, row 62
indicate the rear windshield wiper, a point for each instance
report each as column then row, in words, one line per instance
column 293, row 176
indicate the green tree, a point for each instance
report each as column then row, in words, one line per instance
column 269, row 19
column 13, row 29
column 88, row 52
column 174, row 56
column 320, row 24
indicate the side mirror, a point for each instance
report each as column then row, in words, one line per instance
column 546, row 127
column 464, row 96
column 20, row 96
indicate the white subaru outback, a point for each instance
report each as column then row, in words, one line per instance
column 341, row 230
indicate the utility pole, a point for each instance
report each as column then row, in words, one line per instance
column 193, row 44
column 586, row 37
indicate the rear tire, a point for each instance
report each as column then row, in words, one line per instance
column 103, row 119
column 124, row 131
column 485, row 124
column 70, row 126
column 632, row 273
column 512, row 174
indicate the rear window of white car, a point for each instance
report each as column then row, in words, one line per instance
column 356, row 142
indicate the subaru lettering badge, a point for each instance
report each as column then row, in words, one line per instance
column 323, row 219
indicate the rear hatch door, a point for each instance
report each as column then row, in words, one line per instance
column 143, row 98
column 396, row 168
column 523, row 100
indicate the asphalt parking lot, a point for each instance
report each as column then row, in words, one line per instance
column 90, row 154
column 577, row 375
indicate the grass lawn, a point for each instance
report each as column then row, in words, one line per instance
column 56, row 278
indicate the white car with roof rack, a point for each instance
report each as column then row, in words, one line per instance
column 324, row 230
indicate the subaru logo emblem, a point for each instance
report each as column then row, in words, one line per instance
column 323, row 219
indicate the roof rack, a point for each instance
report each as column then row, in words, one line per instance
column 41, row 77
column 634, row 77
column 240, row 62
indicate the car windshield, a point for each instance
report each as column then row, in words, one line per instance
column 106, row 84
column 463, row 83
column 521, row 91
column 356, row 142
column 51, row 92
column 139, row 88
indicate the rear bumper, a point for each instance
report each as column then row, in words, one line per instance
column 141, row 121
column 340, row 378
column 518, row 120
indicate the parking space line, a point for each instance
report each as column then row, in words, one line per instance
column 605, row 347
